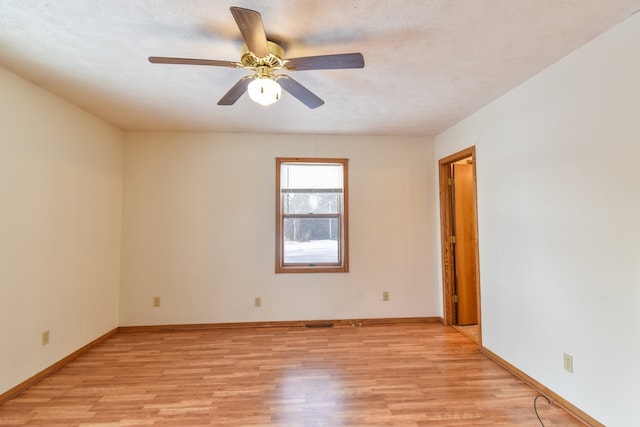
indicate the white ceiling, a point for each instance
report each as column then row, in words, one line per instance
column 428, row 63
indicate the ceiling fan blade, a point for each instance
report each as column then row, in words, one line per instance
column 189, row 61
column 303, row 94
column 326, row 62
column 250, row 25
column 235, row 92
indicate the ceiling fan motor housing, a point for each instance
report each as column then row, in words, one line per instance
column 274, row 61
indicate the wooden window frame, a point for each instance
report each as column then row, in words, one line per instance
column 343, row 265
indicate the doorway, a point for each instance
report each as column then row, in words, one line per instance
column 459, row 240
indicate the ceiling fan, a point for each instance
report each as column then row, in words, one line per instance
column 266, row 58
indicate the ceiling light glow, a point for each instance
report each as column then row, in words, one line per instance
column 264, row 90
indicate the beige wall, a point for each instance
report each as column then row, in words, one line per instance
column 558, row 209
column 60, row 198
column 198, row 230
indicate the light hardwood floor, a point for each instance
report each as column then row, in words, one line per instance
column 395, row 375
column 471, row 331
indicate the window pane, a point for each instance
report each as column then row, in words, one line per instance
column 311, row 240
column 311, row 175
column 311, row 203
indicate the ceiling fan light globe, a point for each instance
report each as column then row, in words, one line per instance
column 264, row 91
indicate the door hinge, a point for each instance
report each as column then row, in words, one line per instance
column 450, row 181
column 453, row 239
column 455, row 299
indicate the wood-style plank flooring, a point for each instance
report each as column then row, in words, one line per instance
column 394, row 375
column 471, row 331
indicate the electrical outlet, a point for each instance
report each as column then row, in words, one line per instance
column 156, row 301
column 568, row 362
column 258, row 302
column 385, row 296
column 45, row 337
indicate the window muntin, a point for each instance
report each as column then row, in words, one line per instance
column 311, row 212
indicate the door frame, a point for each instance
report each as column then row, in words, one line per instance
column 447, row 250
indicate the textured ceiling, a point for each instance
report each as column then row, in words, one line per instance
column 428, row 63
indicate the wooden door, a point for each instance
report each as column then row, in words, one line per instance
column 465, row 232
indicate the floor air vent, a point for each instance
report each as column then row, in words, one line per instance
column 319, row 325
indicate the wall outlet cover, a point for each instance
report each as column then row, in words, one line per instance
column 568, row 362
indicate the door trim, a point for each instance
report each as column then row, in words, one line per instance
column 446, row 219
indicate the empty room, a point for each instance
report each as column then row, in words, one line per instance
column 338, row 213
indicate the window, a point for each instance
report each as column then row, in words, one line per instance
column 311, row 215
